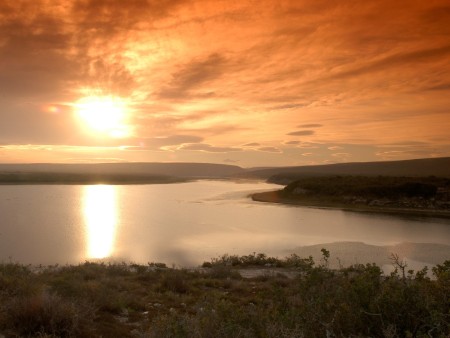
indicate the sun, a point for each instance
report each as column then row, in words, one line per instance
column 103, row 115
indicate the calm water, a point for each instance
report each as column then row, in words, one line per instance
column 182, row 223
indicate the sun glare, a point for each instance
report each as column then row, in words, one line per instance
column 100, row 213
column 104, row 114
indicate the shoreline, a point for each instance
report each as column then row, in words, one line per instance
column 105, row 182
column 274, row 197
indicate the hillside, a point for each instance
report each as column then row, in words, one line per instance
column 141, row 172
column 412, row 168
column 113, row 172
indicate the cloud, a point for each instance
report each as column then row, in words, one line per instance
column 308, row 145
column 109, row 77
column 270, row 149
column 111, row 17
column 398, row 154
column 32, row 69
column 229, row 74
column 48, row 47
column 439, row 87
column 52, row 147
column 311, row 125
column 301, row 133
column 288, row 106
column 341, row 155
column 96, row 160
column 192, row 76
column 229, row 160
column 412, row 149
column 406, row 143
column 45, row 51
column 413, row 57
column 159, row 142
column 208, row 148
column 335, row 148
column 217, row 129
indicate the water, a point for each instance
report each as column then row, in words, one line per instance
column 183, row 224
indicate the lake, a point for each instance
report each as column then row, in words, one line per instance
column 187, row 223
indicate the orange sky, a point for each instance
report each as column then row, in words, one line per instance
column 251, row 83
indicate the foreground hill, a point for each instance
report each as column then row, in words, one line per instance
column 130, row 300
column 413, row 168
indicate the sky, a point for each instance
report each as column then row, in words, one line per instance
column 248, row 83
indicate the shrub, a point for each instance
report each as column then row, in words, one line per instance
column 46, row 314
column 175, row 281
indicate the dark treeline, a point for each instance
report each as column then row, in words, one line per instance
column 374, row 187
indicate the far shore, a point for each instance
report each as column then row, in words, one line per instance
column 275, row 197
column 97, row 182
column 31, row 178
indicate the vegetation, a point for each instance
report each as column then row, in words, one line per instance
column 129, row 300
column 371, row 192
column 371, row 187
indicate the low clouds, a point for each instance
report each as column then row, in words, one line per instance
column 270, row 149
column 340, row 154
column 160, row 142
column 311, row 125
column 288, row 106
column 307, row 132
column 301, row 133
column 411, row 150
column 335, row 148
column 208, row 148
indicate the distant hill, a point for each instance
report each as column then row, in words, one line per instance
column 421, row 167
column 282, row 175
column 182, row 170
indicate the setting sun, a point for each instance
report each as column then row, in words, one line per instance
column 103, row 114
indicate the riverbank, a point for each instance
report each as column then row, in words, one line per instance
column 297, row 297
column 323, row 203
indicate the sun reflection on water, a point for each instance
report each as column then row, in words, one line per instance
column 100, row 214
